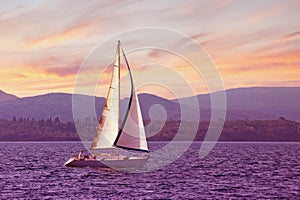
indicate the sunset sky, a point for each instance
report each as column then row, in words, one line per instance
column 252, row 43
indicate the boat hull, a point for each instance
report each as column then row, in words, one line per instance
column 129, row 162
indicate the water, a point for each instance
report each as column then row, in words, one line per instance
column 230, row 171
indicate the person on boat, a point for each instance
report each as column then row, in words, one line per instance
column 80, row 155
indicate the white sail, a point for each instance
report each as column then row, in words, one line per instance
column 133, row 133
column 108, row 128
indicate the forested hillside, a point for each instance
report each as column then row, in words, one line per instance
column 237, row 130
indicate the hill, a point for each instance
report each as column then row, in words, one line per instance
column 258, row 102
column 242, row 103
column 6, row 97
column 42, row 107
column 60, row 105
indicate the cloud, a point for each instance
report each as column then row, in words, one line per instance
column 78, row 32
column 263, row 63
column 62, row 71
column 44, row 42
column 290, row 37
column 200, row 35
column 156, row 53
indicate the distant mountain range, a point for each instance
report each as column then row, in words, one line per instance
column 242, row 103
column 258, row 102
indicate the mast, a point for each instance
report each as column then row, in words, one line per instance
column 119, row 78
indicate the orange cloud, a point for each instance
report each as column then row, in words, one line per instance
column 62, row 71
column 248, row 42
column 250, row 61
column 26, row 80
column 71, row 34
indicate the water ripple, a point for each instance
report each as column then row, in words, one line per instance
column 230, row 171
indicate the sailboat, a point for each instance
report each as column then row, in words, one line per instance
column 111, row 134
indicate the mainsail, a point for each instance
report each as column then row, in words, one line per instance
column 131, row 133
column 108, row 127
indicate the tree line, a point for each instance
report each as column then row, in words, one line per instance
column 25, row 129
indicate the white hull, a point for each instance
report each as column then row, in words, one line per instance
column 113, row 162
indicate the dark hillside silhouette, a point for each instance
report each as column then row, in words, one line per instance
column 25, row 129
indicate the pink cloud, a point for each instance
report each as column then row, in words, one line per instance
column 74, row 33
column 291, row 36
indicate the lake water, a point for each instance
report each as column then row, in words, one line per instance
column 231, row 171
